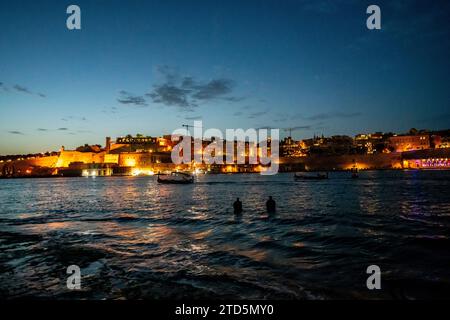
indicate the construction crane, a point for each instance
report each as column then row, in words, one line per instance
column 187, row 126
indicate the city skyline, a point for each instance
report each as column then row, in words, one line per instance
column 149, row 67
column 283, row 138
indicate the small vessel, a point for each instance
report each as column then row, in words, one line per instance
column 316, row 176
column 176, row 178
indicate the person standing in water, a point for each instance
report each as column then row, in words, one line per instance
column 271, row 205
column 237, row 206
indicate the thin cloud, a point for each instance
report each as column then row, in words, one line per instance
column 76, row 118
column 187, row 93
column 61, row 129
column 280, row 120
column 16, row 132
column 213, row 89
column 3, row 87
column 234, row 99
column 170, row 75
column 171, row 95
column 129, row 99
column 306, row 127
column 111, row 110
column 193, row 118
column 22, row 89
column 257, row 114
column 333, row 115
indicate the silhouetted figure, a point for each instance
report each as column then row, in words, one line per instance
column 237, row 206
column 271, row 205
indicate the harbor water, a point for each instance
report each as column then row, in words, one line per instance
column 136, row 239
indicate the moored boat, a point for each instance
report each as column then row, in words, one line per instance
column 176, row 178
column 310, row 176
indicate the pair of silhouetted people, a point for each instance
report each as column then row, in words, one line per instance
column 270, row 205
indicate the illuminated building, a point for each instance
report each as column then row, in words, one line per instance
column 370, row 143
column 290, row 148
column 77, row 169
column 338, row 144
column 409, row 142
column 426, row 159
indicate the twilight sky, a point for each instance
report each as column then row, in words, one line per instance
column 150, row 66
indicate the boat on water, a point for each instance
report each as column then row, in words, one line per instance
column 176, row 178
column 311, row 176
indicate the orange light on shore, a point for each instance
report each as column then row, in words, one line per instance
column 130, row 162
column 142, row 172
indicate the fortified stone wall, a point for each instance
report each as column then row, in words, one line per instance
column 37, row 162
column 67, row 157
column 346, row 162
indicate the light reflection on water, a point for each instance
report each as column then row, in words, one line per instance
column 134, row 238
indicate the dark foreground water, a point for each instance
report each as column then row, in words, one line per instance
column 134, row 238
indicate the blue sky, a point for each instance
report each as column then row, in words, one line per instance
column 150, row 66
